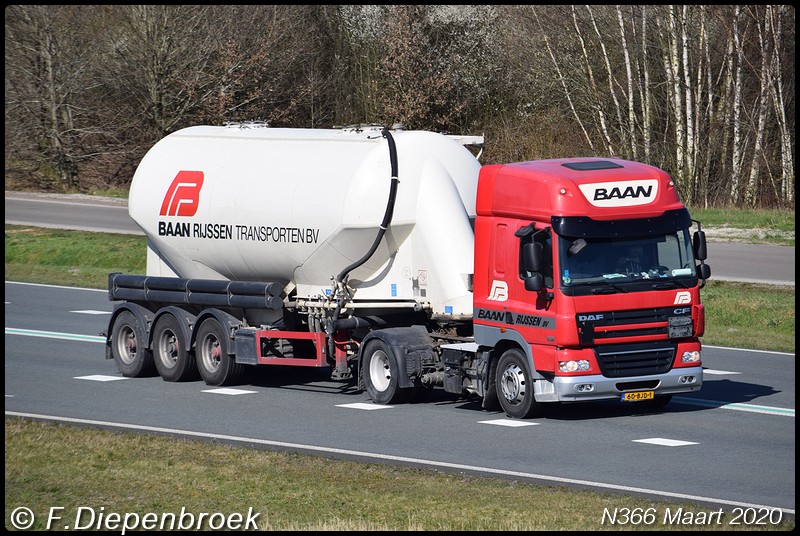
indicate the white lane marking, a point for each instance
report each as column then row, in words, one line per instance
column 363, row 405
column 509, row 423
column 665, row 442
column 54, row 335
column 750, row 408
column 400, row 459
column 719, row 372
column 229, row 391
column 100, row 378
column 749, row 350
column 105, row 291
column 92, row 312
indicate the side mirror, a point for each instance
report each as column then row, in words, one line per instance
column 532, row 263
column 535, row 282
column 699, row 246
column 704, row 271
column 532, row 257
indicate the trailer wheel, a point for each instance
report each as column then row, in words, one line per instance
column 214, row 362
column 515, row 387
column 173, row 359
column 128, row 347
column 381, row 375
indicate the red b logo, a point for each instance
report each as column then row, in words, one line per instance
column 183, row 195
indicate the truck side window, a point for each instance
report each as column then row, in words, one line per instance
column 543, row 238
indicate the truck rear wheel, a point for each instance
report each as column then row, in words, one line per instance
column 515, row 387
column 128, row 347
column 173, row 359
column 381, row 375
column 215, row 364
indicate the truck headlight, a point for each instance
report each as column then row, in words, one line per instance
column 691, row 357
column 573, row 366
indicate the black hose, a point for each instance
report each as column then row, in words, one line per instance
column 334, row 322
column 387, row 217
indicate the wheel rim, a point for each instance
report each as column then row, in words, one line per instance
column 380, row 373
column 168, row 348
column 126, row 345
column 210, row 353
column 512, row 384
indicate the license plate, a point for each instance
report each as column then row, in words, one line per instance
column 637, row 396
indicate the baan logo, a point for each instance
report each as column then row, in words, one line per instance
column 183, row 195
column 620, row 194
column 499, row 291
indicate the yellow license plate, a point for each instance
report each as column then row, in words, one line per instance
column 638, row 396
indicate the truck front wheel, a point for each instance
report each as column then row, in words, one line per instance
column 216, row 365
column 128, row 347
column 174, row 361
column 380, row 372
column 515, row 387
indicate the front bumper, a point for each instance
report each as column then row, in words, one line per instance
column 598, row 387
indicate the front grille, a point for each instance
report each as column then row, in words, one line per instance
column 604, row 327
column 640, row 359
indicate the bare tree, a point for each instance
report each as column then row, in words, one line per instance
column 776, row 14
column 162, row 55
column 629, row 78
column 42, row 73
column 706, row 92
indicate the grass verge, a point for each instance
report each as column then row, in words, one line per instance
column 49, row 465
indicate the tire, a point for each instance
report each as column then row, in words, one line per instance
column 381, row 374
column 211, row 349
column 173, row 359
column 128, row 346
column 515, row 387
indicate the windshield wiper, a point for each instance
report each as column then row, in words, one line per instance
column 668, row 285
column 608, row 288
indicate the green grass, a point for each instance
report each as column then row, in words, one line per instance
column 756, row 226
column 50, row 465
column 777, row 220
column 743, row 315
column 71, row 258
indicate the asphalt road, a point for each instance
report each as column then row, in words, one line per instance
column 729, row 261
column 730, row 445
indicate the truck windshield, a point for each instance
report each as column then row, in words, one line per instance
column 662, row 258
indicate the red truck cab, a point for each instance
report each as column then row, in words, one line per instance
column 586, row 283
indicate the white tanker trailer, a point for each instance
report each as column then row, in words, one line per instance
column 353, row 249
column 296, row 206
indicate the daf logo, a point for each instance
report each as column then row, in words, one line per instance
column 589, row 318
